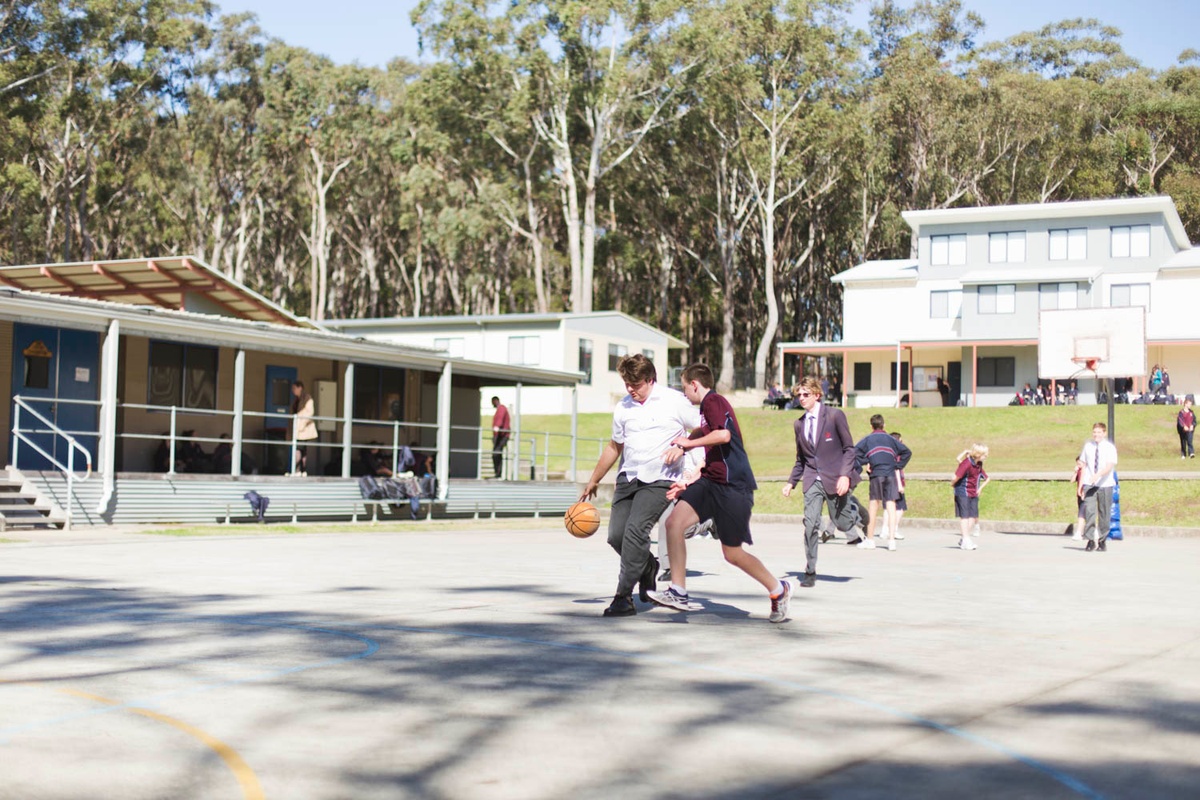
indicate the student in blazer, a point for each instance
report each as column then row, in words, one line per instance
column 825, row 469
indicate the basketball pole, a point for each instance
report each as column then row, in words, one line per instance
column 1112, row 423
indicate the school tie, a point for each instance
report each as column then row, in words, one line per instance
column 812, row 430
column 1096, row 459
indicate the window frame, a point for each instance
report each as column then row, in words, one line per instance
column 1006, row 292
column 955, row 245
column 615, row 353
column 1070, row 237
column 991, row 378
column 1007, row 242
column 184, row 386
column 521, row 343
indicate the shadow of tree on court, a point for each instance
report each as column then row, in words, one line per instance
column 446, row 709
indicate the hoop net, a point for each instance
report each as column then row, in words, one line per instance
column 1086, row 362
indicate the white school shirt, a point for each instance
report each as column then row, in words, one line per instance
column 645, row 431
column 1107, row 455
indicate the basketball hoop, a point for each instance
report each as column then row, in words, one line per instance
column 1086, row 363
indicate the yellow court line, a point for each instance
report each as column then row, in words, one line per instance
column 251, row 788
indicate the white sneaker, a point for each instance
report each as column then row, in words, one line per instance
column 892, row 544
column 866, row 544
column 975, row 530
column 698, row 529
column 1077, row 537
column 899, row 535
column 967, row 544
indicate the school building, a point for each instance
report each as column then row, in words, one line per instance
column 965, row 306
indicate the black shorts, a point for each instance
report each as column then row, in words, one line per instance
column 728, row 507
column 883, row 487
column 901, row 505
column 966, row 507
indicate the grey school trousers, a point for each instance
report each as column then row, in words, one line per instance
column 1097, row 512
column 636, row 507
column 845, row 511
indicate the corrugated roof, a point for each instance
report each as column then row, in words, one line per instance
column 167, row 283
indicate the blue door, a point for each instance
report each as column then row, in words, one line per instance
column 51, row 365
column 279, row 416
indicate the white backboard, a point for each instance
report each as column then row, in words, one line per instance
column 1114, row 337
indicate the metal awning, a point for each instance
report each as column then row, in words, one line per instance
column 179, row 283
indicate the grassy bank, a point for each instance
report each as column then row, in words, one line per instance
column 1021, row 439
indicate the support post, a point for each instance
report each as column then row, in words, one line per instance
column 239, row 411
column 108, row 415
column 347, row 418
column 443, row 431
column 516, row 436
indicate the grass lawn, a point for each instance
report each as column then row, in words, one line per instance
column 1021, row 439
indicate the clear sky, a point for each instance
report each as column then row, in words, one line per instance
column 372, row 32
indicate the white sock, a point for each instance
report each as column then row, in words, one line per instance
column 679, row 589
column 778, row 590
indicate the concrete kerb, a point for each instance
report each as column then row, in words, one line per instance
column 1006, row 526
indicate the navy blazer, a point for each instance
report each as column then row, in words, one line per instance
column 834, row 454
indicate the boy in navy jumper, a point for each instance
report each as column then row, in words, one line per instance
column 883, row 456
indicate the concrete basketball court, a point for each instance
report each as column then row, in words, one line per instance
column 472, row 662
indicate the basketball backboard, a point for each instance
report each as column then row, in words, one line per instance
column 1092, row 342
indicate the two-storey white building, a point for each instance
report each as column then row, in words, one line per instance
column 965, row 307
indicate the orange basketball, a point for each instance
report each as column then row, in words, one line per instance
column 582, row 520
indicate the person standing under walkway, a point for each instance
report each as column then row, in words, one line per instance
column 501, row 430
column 1185, row 425
column 645, row 422
column 1099, row 465
column 825, row 468
column 305, row 427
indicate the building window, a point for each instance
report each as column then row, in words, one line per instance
column 1006, row 248
column 378, row 393
column 1058, row 295
column 1130, row 241
column 1129, row 294
column 524, row 351
column 945, row 304
column 1069, row 244
column 585, row 360
column 615, row 353
column 903, row 376
column 454, row 346
column 1001, row 299
column 862, row 376
column 996, row 371
column 183, row 375
column 951, row 249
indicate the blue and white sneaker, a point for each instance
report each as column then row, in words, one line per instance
column 671, row 599
column 699, row 529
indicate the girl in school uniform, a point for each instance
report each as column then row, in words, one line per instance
column 969, row 480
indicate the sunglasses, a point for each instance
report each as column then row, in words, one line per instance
column 804, row 394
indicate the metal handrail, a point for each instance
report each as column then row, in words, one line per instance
column 67, row 469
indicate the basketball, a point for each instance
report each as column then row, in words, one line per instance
column 582, row 520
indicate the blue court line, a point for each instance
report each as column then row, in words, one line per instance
column 1069, row 781
column 149, row 703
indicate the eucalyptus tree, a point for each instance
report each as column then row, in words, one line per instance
column 600, row 83
column 86, row 79
column 796, row 57
column 319, row 110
